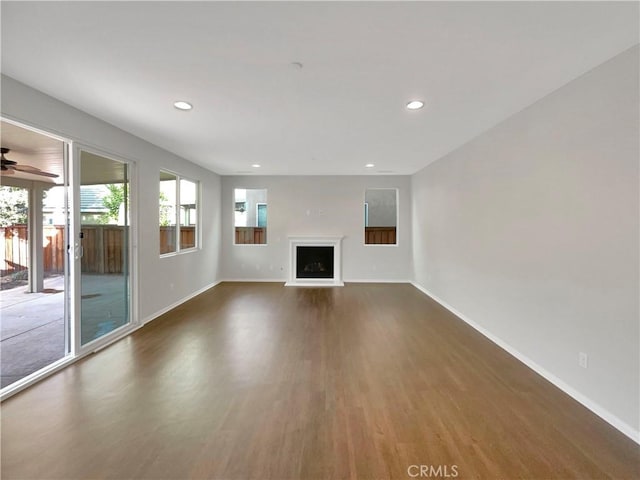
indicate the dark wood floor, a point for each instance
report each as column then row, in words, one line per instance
column 259, row 381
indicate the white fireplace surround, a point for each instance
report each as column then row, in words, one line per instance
column 335, row 242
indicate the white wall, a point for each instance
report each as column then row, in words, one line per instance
column 188, row 272
column 316, row 205
column 531, row 231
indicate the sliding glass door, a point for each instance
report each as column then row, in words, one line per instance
column 66, row 257
column 104, row 239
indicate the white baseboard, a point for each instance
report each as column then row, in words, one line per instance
column 164, row 310
column 602, row 412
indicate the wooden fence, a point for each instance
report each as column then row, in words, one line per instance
column 104, row 247
column 54, row 248
column 251, row 235
column 168, row 238
column 15, row 249
column 380, row 235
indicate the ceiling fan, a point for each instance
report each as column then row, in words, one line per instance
column 9, row 167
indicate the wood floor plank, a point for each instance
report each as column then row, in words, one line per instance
column 261, row 381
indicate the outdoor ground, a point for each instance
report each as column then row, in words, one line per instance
column 31, row 330
column 13, row 280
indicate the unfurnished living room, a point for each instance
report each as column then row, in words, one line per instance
column 320, row 240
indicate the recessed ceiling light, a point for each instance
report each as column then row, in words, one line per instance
column 181, row 105
column 415, row 104
column 370, row 165
column 256, row 165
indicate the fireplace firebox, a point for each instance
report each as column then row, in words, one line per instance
column 314, row 262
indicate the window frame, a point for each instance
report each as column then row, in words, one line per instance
column 178, row 223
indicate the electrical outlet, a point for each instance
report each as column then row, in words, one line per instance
column 583, row 360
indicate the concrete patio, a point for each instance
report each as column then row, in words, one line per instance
column 31, row 330
column 32, row 324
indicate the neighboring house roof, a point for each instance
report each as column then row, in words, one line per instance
column 90, row 200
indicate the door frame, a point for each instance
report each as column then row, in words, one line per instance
column 75, row 257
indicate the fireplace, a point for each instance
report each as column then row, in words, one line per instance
column 315, row 261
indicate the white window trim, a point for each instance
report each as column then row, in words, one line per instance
column 179, row 250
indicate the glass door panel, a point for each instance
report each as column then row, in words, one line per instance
column 104, row 233
column 34, row 325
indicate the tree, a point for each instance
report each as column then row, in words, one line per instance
column 112, row 201
column 14, row 206
column 165, row 210
column 115, row 198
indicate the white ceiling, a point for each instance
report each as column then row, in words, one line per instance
column 474, row 63
column 29, row 148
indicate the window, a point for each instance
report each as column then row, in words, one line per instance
column 178, row 215
column 188, row 213
column 250, row 216
column 380, row 216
